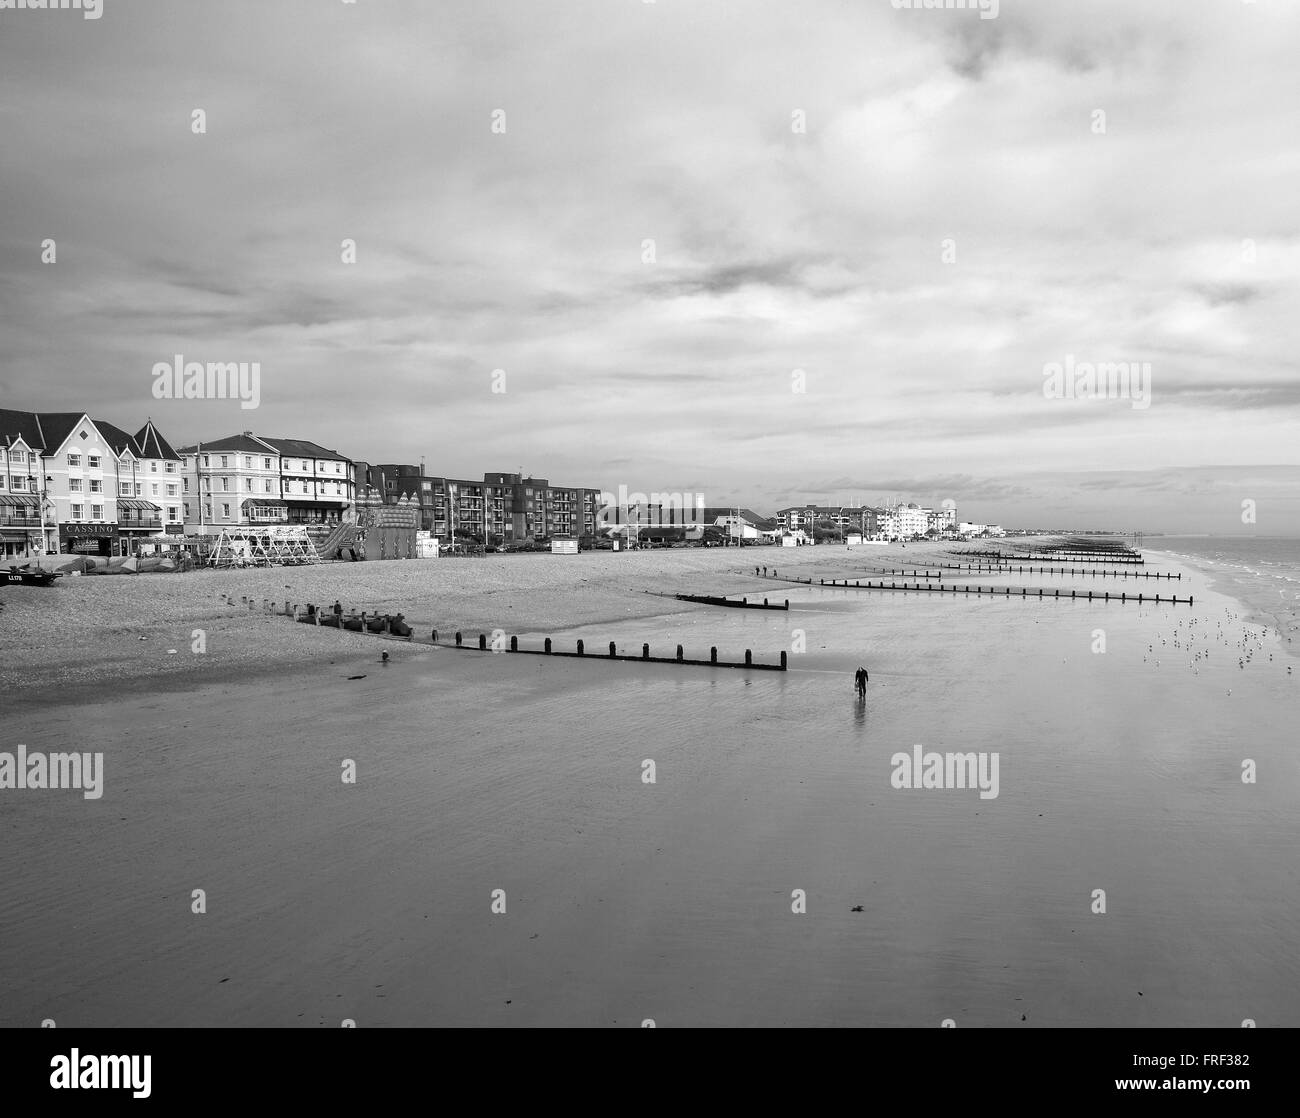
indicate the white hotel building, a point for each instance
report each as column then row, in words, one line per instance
column 249, row 480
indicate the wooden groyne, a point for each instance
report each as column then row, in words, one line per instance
column 992, row 591
column 395, row 629
column 580, row 653
column 1051, row 558
column 743, row 603
column 1007, row 568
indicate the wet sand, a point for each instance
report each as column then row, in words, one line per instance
column 672, row 901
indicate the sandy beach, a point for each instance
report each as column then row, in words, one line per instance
column 86, row 632
column 626, row 900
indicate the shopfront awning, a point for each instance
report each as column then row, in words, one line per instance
column 18, row 500
column 135, row 504
column 15, row 537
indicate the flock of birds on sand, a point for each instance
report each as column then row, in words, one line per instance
column 1195, row 637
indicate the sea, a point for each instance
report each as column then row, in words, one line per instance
column 533, row 840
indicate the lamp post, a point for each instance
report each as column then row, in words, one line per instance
column 42, row 496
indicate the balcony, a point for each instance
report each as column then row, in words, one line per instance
column 20, row 521
column 152, row 524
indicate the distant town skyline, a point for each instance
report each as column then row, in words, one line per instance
column 770, row 253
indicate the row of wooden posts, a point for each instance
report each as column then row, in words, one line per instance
column 1006, row 591
column 548, row 649
column 1005, row 568
column 743, row 603
column 1051, row 558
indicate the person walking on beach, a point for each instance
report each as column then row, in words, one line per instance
column 338, row 609
column 860, row 681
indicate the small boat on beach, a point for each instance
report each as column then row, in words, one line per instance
column 26, row 576
column 378, row 624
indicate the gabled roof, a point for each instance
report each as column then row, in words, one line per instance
column 118, row 439
column 303, row 448
column 244, row 444
column 56, row 426
column 152, row 444
column 710, row 515
column 25, row 425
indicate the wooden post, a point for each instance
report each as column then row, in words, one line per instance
column 713, row 655
column 580, row 648
column 514, row 644
column 482, row 642
column 783, row 659
column 457, row 638
column 679, row 653
column 434, row 636
column 645, row 652
column 749, row 658
column 548, row 646
column 611, row 649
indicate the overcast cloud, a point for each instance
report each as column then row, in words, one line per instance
column 775, row 250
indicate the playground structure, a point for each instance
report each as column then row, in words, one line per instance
column 272, row 546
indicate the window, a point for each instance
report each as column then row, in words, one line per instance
column 77, row 511
column 186, row 483
column 74, row 459
column 74, row 484
column 225, row 485
column 96, row 512
column 248, row 461
column 207, row 511
column 123, row 488
column 153, row 489
column 205, row 461
column 20, row 483
column 96, row 486
column 171, row 514
column 137, row 488
column 187, row 510
column 338, row 467
column 171, row 491
column 225, row 511
column 2, row 481
column 225, row 461
column 266, row 486
column 170, row 467
column 266, row 463
column 304, row 467
column 153, row 467
column 92, row 460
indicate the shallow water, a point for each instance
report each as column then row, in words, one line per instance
column 672, row 900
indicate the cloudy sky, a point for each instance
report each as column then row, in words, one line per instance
column 905, row 214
